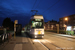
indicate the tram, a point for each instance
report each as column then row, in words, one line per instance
column 35, row 28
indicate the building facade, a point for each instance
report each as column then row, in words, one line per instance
column 50, row 25
column 66, row 21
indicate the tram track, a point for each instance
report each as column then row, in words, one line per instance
column 45, row 43
column 64, row 38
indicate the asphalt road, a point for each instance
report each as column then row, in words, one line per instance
column 49, row 42
column 60, row 41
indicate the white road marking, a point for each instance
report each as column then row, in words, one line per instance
column 42, row 44
column 47, row 40
column 69, row 39
column 18, row 47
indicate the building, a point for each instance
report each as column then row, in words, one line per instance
column 66, row 21
column 1, row 27
column 50, row 25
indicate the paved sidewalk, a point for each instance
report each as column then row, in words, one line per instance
column 19, row 43
column 64, row 35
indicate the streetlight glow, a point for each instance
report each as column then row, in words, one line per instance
column 66, row 18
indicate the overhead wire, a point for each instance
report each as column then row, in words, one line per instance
column 51, row 6
column 48, row 8
column 59, row 7
column 34, row 4
column 38, row 4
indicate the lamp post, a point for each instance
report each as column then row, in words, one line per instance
column 57, row 28
column 66, row 19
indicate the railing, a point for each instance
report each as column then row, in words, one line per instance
column 5, row 37
column 62, row 32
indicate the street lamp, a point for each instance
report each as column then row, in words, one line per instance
column 66, row 19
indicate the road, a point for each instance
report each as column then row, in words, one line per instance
column 50, row 41
column 60, row 41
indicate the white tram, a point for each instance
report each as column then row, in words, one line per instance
column 35, row 28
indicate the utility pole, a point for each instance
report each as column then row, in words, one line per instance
column 15, row 22
column 57, row 28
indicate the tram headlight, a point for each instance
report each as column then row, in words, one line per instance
column 42, row 33
column 35, row 36
column 35, row 33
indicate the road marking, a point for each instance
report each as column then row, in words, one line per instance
column 18, row 47
column 43, row 45
column 69, row 39
column 47, row 40
column 53, row 44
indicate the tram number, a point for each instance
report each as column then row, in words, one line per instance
column 39, row 32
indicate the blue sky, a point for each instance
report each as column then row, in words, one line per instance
column 21, row 9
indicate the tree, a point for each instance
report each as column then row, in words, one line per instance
column 8, row 23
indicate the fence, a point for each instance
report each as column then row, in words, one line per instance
column 5, row 37
column 62, row 32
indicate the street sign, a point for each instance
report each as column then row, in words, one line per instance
column 16, row 21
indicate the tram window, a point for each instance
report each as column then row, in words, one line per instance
column 33, row 24
column 37, row 19
column 37, row 24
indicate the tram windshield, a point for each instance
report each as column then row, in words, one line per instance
column 37, row 24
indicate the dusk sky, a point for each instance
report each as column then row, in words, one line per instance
column 21, row 9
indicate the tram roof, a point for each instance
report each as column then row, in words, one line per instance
column 37, row 17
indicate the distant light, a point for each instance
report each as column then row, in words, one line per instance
column 66, row 18
column 64, row 25
column 16, row 21
column 68, row 28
